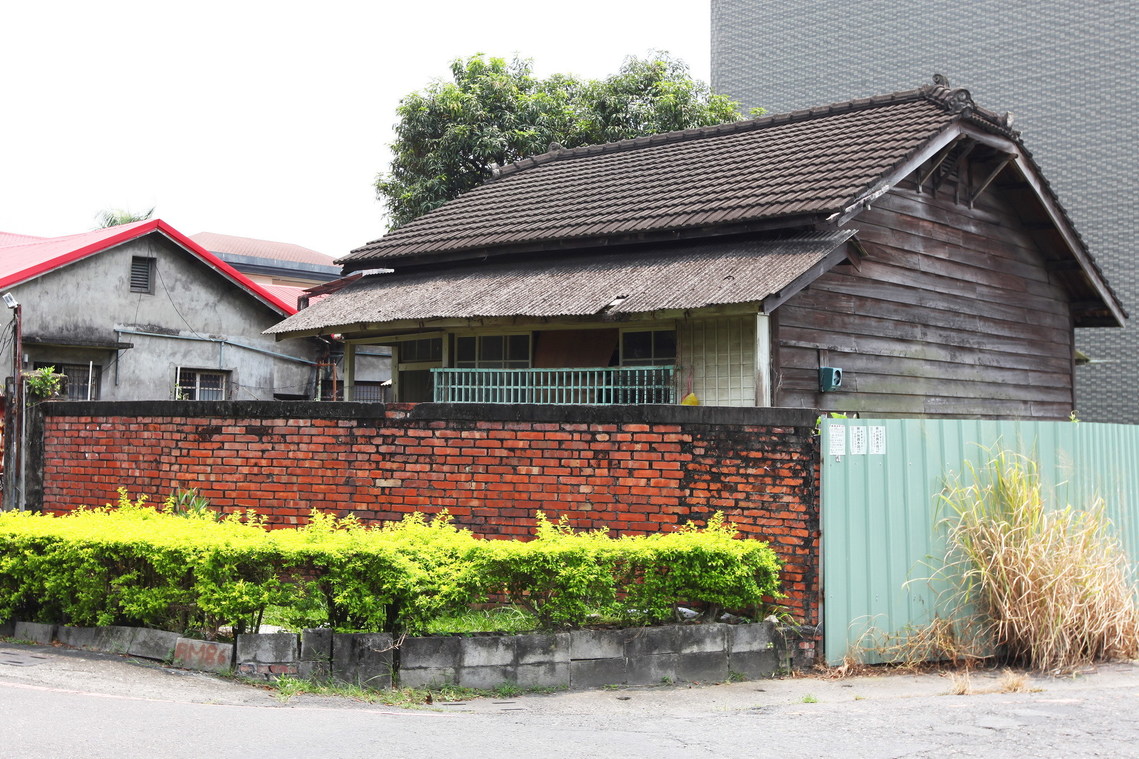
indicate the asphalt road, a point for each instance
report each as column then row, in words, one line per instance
column 60, row 703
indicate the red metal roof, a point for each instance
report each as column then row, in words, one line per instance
column 24, row 257
column 248, row 246
column 286, row 293
column 11, row 238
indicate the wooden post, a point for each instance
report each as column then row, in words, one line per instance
column 349, row 371
column 762, row 360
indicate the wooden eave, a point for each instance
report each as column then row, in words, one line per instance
column 1111, row 313
column 1093, row 302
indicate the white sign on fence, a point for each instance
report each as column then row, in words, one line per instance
column 837, row 437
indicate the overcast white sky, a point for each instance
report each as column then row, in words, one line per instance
column 263, row 119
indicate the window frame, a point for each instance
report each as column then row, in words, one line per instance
column 479, row 362
column 181, row 388
column 652, row 360
column 67, row 369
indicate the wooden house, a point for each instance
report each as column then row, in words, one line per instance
column 896, row 255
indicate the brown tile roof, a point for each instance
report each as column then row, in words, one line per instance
column 805, row 164
column 681, row 277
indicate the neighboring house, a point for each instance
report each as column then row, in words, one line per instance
column 288, row 272
column 271, row 263
column 1066, row 68
column 908, row 240
column 141, row 312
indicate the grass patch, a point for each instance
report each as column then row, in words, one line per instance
column 505, row 619
column 961, row 683
column 288, row 687
column 1013, row 682
column 809, row 699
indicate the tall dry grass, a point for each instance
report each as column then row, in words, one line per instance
column 1053, row 586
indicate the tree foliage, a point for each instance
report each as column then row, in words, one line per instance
column 113, row 217
column 496, row 112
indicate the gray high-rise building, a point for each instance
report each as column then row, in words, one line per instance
column 1067, row 69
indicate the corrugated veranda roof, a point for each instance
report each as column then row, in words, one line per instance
column 686, row 277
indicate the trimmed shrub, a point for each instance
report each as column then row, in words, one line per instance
column 183, row 570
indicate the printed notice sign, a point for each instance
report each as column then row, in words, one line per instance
column 837, row 444
column 858, row 441
column 877, row 441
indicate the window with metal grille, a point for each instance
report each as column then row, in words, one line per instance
column 142, row 275
column 200, row 385
column 364, row 390
column 80, row 381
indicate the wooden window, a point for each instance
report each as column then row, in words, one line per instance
column 648, row 347
column 427, row 349
column 142, row 275
column 414, row 361
column 493, row 351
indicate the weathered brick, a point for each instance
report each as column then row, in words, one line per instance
column 633, row 477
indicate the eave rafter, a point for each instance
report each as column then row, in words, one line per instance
column 1002, row 163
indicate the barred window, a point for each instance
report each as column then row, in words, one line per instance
column 80, row 381
column 201, row 385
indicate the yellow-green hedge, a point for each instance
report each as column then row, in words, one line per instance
column 133, row 564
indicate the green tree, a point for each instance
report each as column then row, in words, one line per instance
column 496, row 112
column 113, row 217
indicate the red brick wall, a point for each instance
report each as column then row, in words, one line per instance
column 634, row 470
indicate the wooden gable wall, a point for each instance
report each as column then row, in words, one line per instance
column 953, row 312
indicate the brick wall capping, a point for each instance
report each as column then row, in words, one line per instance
column 574, row 414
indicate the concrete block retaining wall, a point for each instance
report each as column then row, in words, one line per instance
column 575, row 659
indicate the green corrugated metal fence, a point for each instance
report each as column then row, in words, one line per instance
column 880, row 486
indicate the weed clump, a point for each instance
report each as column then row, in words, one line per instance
column 1052, row 587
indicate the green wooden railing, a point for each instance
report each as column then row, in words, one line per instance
column 602, row 386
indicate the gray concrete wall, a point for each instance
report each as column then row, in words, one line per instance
column 196, row 318
column 1065, row 68
column 576, row 659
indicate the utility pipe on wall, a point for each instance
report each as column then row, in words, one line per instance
column 222, row 342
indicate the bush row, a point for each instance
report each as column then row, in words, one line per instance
column 137, row 565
